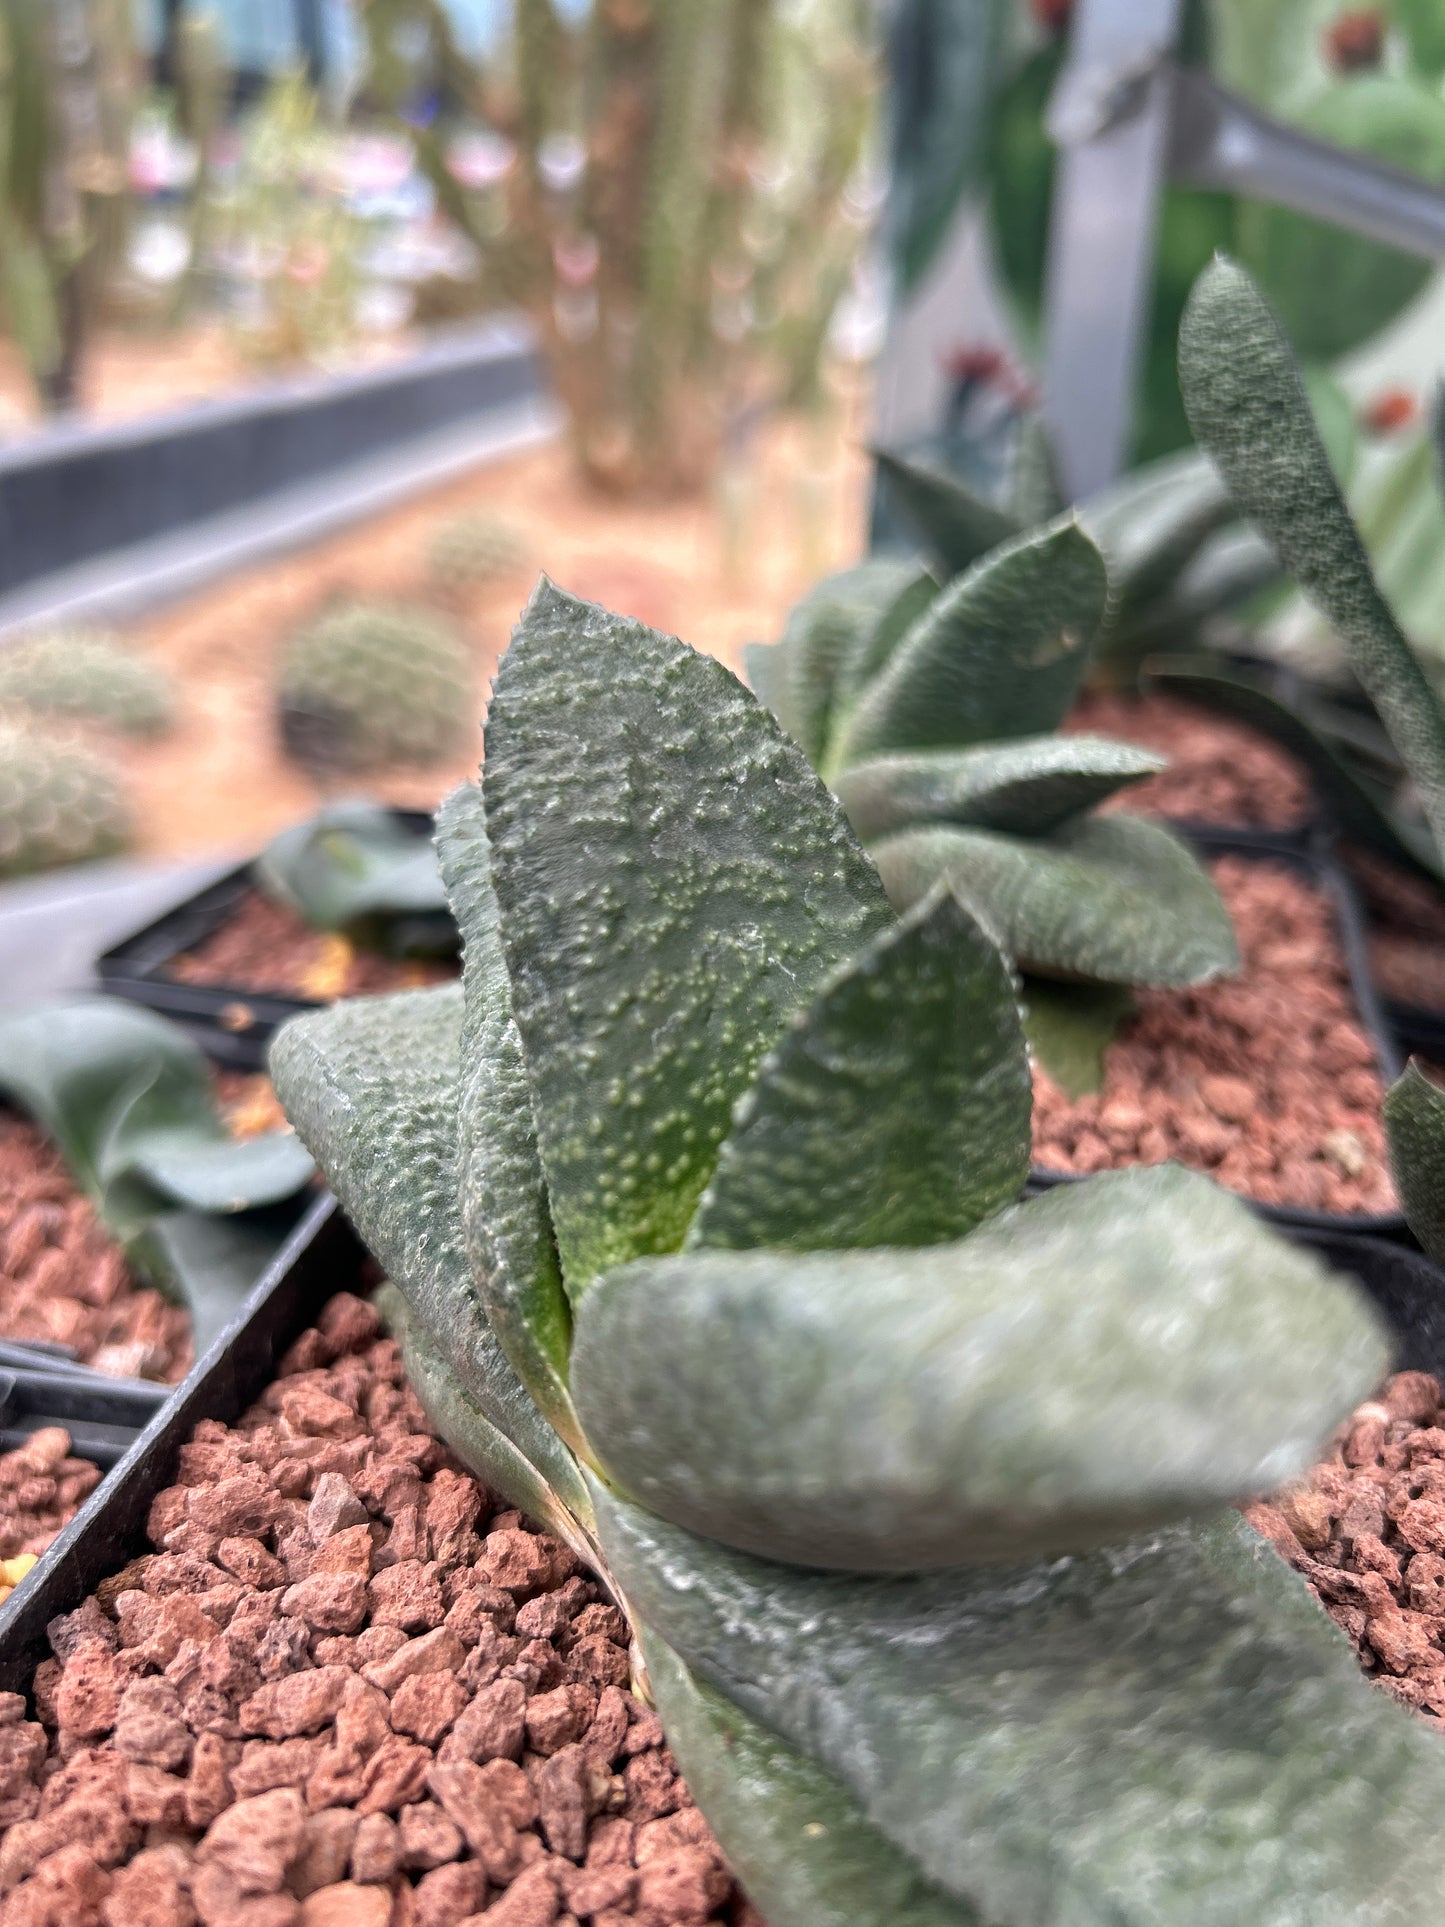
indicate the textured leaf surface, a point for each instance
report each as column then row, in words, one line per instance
column 354, row 861
column 1112, row 898
column 1071, row 1026
column 674, row 881
column 1170, row 1733
column 1249, row 409
column 372, row 1087
column 896, row 1109
column 797, row 1841
column 506, row 1222
column 1085, row 1365
column 1415, row 1124
column 1027, row 787
column 128, row 1099
column 1000, row 653
column 876, row 642
column 831, row 627
column 955, row 525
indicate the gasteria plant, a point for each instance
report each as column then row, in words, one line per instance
column 699, row 1192
column 356, row 867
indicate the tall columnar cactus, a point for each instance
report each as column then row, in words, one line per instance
column 59, row 803
column 699, row 1196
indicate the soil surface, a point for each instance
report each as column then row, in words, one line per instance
column 346, row 1689
column 266, row 948
column 1268, row 1080
column 42, row 1487
column 1367, row 1530
column 1407, row 929
column 1220, row 771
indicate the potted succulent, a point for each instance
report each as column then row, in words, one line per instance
column 700, row 1193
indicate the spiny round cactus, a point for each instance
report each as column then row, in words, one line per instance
column 89, row 674
column 472, row 549
column 368, row 684
column 59, row 803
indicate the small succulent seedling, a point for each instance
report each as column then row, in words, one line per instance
column 371, row 684
column 128, row 1100
column 358, row 868
column 88, row 675
column 60, row 802
column 1249, row 409
column 700, row 1193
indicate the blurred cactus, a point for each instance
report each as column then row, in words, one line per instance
column 472, row 549
column 202, row 85
column 681, row 211
column 59, row 803
column 87, row 675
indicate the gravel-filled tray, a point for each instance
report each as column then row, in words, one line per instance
column 230, row 965
column 1270, row 1081
column 1405, row 937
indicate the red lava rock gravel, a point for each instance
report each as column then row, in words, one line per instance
column 1267, row 1080
column 62, row 1276
column 41, row 1489
column 344, row 1690
column 1367, row 1530
column 266, row 949
column 1407, row 930
column 1220, row 772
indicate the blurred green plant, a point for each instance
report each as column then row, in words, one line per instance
column 89, row 675
column 680, row 209
column 59, row 802
column 468, row 550
column 357, row 868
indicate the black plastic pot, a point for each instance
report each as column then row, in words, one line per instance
column 233, row 1026
column 320, row 1257
column 1327, row 875
column 43, row 1385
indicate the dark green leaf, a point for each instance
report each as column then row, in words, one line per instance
column 799, row 1844
column 506, row 1223
column 674, row 881
column 211, row 1264
column 1415, row 1125
column 1249, row 409
column 1109, row 898
column 353, row 862
column 1071, row 1026
column 875, row 644
column 1001, row 652
column 895, row 1111
column 1169, row 1733
column 955, row 526
column 1087, row 1365
column 837, row 623
column 1027, row 787
column 129, row 1100
column 372, row 1087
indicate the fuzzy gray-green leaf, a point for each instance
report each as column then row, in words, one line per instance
column 832, row 626
column 1168, row 1733
column 1070, row 1028
column 506, row 1223
column 1248, row 407
column 1028, row 787
column 875, row 643
column 674, row 880
column 1112, row 898
column 797, row 1841
column 1001, row 652
column 1415, row 1125
column 955, row 525
column 896, row 1109
column 1084, row 1366
column 371, row 1085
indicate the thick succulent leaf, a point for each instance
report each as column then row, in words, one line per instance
column 955, row 525
column 1249, row 409
column 1361, row 810
column 210, row 1264
column 1070, row 1028
column 999, row 653
column 129, row 1101
column 1113, row 899
column 896, row 1109
column 763, row 665
column 1168, row 1733
column 798, row 1842
column 1086, row 1365
column 835, row 623
column 1027, row 788
column 674, row 880
column 506, row 1222
column 351, row 863
column 1415, row 1125
column 875, row 644
column 371, row 1085
column 481, row 1446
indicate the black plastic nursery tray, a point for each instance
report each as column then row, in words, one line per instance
column 1327, row 875
column 232, row 1025
column 320, row 1257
